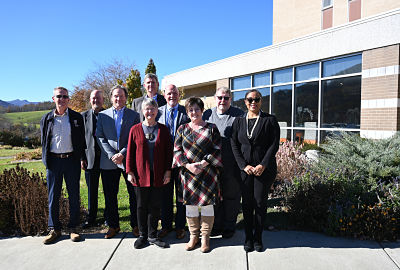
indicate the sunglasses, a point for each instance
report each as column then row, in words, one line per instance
column 256, row 100
column 62, row 96
column 224, row 98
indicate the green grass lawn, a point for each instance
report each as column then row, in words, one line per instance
column 25, row 118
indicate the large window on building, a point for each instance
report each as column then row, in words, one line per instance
column 341, row 102
column 306, row 104
column 282, row 104
column 310, row 101
column 241, row 82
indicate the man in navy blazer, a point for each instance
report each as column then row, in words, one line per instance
column 63, row 148
column 113, row 126
column 172, row 115
column 93, row 152
column 150, row 84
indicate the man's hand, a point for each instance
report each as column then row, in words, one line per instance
column 117, row 158
column 83, row 164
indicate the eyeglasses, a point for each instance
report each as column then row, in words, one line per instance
column 256, row 100
column 62, row 96
column 224, row 98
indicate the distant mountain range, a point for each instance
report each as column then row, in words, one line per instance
column 16, row 102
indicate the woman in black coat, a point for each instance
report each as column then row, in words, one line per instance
column 255, row 141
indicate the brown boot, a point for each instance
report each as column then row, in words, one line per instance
column 194, row 229
column 52, row 237
column 206, row 227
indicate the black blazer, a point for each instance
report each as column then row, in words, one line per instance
column 77, row 135
column 90, row 129
column 137, row 104
column 264, row 146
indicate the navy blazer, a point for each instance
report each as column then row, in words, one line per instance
column 262, row 149
column 77, row 135
column 137, row 104
column 180, row 119
column 106, row 135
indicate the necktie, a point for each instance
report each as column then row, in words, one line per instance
column 171, row 122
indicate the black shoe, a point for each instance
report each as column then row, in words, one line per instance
column 158, row 242
column 141, row 242
column 258, row 246
column 228, row 233
column 216, row 232
column 248, row 246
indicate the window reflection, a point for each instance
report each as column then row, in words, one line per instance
column 261, row 79
column 282, row 76
column 341, row 102
column 341, row 66
column 306, row 104
column 307, row 72
column 241, row 82
column 282, row 104
column 328, row 133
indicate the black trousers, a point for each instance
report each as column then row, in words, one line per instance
column 227, row 210
column 110, row 180
column 167, row 209
column 149, row 200
column 92, row 177
column 254, row 203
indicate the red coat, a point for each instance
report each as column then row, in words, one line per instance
column 138, row 159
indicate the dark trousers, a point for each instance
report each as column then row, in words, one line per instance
column 227, row 210
column 92, row 177
column 167, row 209
column 149, row 200
column 110, row 180
column 254, row 203
column 57, row 170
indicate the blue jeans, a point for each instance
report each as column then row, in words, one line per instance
column 57, row 170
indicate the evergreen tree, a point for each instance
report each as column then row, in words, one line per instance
column 151, row 68
column 133, row 85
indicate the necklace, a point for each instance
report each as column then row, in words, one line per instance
column 255, row 124
column 150, row 136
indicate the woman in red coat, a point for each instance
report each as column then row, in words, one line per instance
column 148, row 165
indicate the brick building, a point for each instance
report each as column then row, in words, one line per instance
column 333, row 66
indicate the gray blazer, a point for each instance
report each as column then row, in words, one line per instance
column 181, row 118
column 137, row 104
column 107, row 136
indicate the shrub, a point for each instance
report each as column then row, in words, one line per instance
column 23, row 201
column 36, row 154
column 340, row 195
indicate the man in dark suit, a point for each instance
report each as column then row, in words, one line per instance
column 151, row 84
column 63, row 147
column 172, row 115
column 113, row 126
column 92, row 164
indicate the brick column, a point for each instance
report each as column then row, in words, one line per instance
column 380, row 112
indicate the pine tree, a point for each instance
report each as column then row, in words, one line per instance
column 133, row 85
column 151, row 68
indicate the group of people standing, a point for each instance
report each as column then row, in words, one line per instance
column 208, row 159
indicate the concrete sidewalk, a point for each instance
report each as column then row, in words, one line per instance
column 284, row 250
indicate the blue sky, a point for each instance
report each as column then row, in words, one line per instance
column 56, row 43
